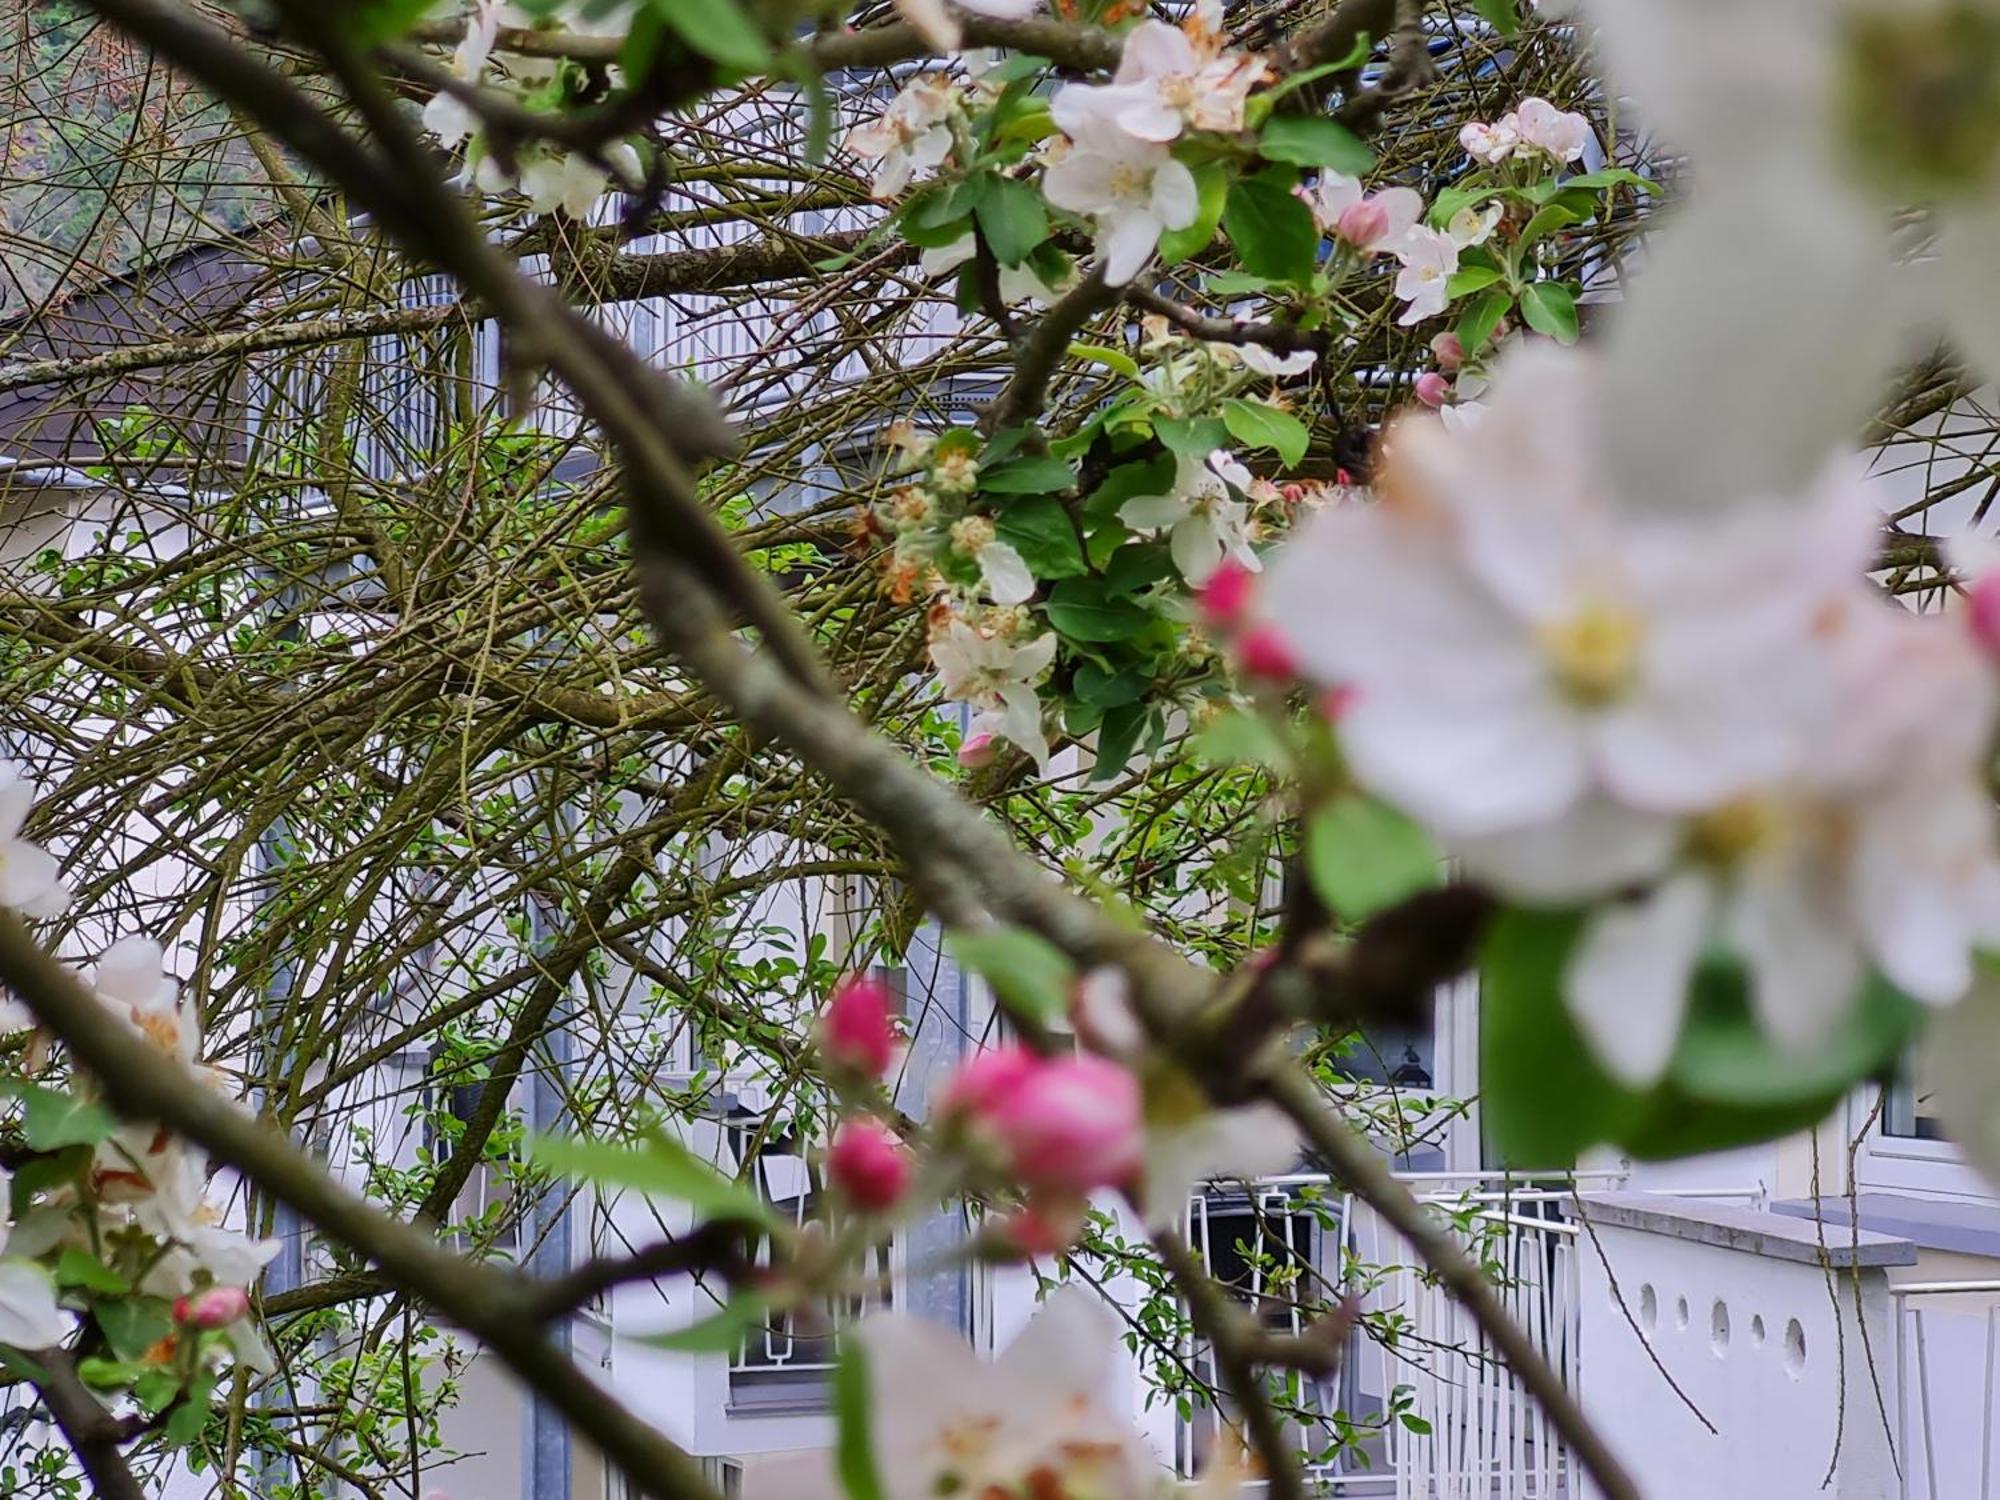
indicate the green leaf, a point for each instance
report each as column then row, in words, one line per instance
column 52, row 1120
column 1108, row 689
column 1355, row 57
column 1258, row 424
column 1363, row 856
column 373, row 22
column 1132, row 568
column 1472, row 279
column 1029, row 974
column 717, row 29
column 854, row 1440
column 1035, row 474
column 108, row 1374
column 185, row 1425
column 81, row 1268
column 1543, row 1096
column 1315, row 141
column 1080, row 609
column 1101, row 354
column 133, row 1325
column 154, row 1389
column 1150, row 476
column 1550, row 307
column 1499, row 14
column 1546, row 221
column 1481, row 316
column 1040, row 529
column 659, row 1166
column 721, row 1332
column 1273, row 232
column 1012, row 219
column 1117, row 738
column 1211, row 181
column 1724, row 1055
column 1237, row 284
column 1191, row 437
column 1606, row 177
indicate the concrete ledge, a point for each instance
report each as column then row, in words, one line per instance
column 1932, row 1223
column 1751, row 1231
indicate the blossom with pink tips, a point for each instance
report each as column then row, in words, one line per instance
column 1433, row 389
column 1224, row 596
column 858, row 1031
column 868, row 1164
column 214, row 1307
column 1064, row 1124
column 1372, row 223
column 1263, row 654
column 977, row 750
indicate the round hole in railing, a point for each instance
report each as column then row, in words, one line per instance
column 1757, row 1331
column 1795, row 1349
column 1649, row 1307
column 1718, row 1328
column 1680, row 1312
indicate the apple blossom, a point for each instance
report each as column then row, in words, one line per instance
column 1132, row 189
column 1560, row 135
column 1041, row 1419
column 858, row 1030
column 1017, row 283
column 1977, row 562
column 977, row 750
column 1223, row 599
column 911, row 138
column 1517, row 644
column 868, row 1164
column 1449, row 350
column 1429, row 261
column 1373, row 223
column 1264, row 655
column 1002, row 571
column 1169, row 79
column 1205, row 522
column 994, row 670
column 1432, row 389
column 1489, row 145
column 1070, row 1125
column 1266, row 362
column 217, row 1307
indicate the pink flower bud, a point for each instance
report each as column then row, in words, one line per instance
column 977, row 750
column 1335, row 702
column 985, row 1079
column 1983, row 612
column 1450, row 351
column 1042, row 1226
column 217, row 1307
column 1224, row 597
column 858, row 1030
column 868, row 1164
column 1262, row 653
column 1362, row 223
column 1433, row 389
column 1072, row 1125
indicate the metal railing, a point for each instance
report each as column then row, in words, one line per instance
column 1924, row 1445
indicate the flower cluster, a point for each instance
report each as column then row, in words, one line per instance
column 1534, row 133
column 547, row 176
column 1705, row 726
column 138, row 1217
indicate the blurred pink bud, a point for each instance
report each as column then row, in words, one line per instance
column 1336, row 701
column 1072, row 1125
column 1450, row 351
column 977, row 750
column 858, row 1030
column 1433, row 389
column 1262, row 653
column 868, row 1164
column 217, row 1307
column 1224, row 597
column 1984, row 613
column 1362, row 223
column 1042, row 1226
column 985, row 1079
column 1342, row 478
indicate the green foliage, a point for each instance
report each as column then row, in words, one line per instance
column 1273, row 232
column 1363, row 855
column 854, row 1440
column 659, row 1166
column 1315, row 141
column 1029, row 974
column 1258, row 424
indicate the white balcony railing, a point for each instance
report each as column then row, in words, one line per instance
column 1944, row 1423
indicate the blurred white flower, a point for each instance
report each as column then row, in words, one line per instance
column 1513, row 645
column 1204, row 519
column 30, row 879
column 29, row 1316
column 1134, row 190
column 1429, row 261
column 1879, row 848
column 996, row 673
column 1472, row 226
column 1269, row 362
column 1043, row 1418
column 1489, row 145
column 911, row 138
column 1772, row 307
column 1017, row 283
column 938, row 26
column 1557, row 134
